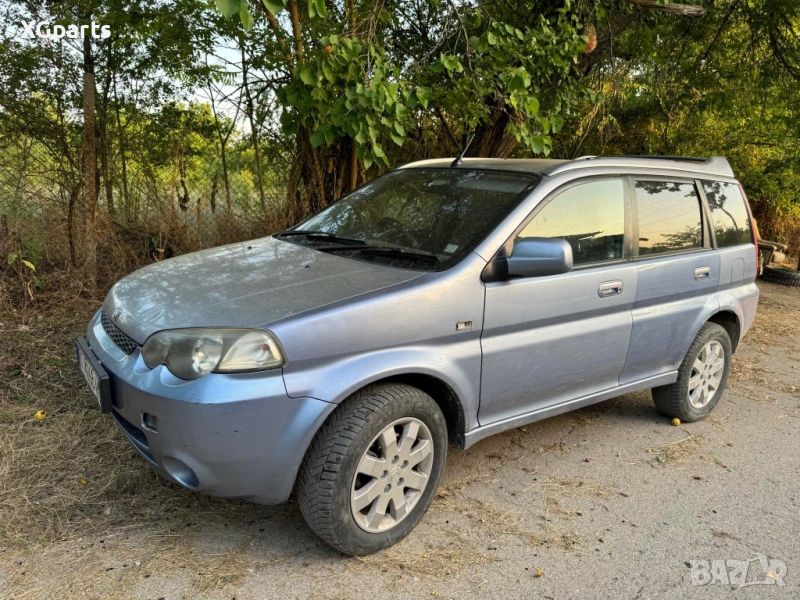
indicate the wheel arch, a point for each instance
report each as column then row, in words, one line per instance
column 443, row 394
column 437, row 388
column 728, row 320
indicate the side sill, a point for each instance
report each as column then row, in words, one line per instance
column 477, row 434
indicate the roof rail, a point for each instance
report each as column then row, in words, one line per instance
column 666, row 157
column 714, row 165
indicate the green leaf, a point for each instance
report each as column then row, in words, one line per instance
column 245, row 16
column 307, row 75
column 317, row 139
column 273, row 6
column 317, row 8
column 451, row 63
column 423, row 95
column 491, row 38
column 361, row 136
column 327, row 71
column 537, row 144
column 28, row 264
column 532, row 107
column 520, row 80
column 228, row 8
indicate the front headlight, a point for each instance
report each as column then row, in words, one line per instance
column 191, row 353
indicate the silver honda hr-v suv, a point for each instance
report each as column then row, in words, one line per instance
column 440, row 303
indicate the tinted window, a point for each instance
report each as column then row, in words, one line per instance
column 729, row 215
column 669, row 217
column 441, row 213
column 590, row 216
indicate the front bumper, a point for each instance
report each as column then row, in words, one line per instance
column 231, row 435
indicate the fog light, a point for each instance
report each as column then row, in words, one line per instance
column 179, row 471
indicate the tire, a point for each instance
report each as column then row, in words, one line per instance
column 782, row 276
column 333, row 474
column 676, row 399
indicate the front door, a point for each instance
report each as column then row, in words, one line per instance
column 548, row 340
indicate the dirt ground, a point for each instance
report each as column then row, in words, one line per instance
column 606, row 502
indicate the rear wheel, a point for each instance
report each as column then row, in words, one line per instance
column 702, row 377
column 373, row 468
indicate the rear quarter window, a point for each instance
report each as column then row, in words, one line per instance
column 729, row 216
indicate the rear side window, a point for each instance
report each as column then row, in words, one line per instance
column 669, row 217
column 729, row 215
column 590, row 216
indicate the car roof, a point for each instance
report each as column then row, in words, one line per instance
column 715, row 165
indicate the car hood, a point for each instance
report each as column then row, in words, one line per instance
column 249, row 284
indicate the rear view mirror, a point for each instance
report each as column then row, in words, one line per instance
column 534, row 257
column 531, row 257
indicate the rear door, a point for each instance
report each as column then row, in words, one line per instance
column 733, row 236
column 678, row 272
column 548, row 340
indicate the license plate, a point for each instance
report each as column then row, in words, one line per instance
column 94, row 374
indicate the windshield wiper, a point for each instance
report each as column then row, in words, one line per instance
column 321, row 235
column 386, row 251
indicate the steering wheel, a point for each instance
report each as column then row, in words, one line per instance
column 401, row 233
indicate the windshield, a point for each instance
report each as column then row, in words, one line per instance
column 415, row 218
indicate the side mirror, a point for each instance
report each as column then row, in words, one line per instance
column 534, row 257
column 531, row 257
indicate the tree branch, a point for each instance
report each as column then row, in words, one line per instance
column 684, row 10
column 297, row 31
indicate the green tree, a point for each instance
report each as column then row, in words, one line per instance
column 360, row 79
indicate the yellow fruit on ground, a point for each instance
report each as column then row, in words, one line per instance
column 40, row 415
column 675, row 422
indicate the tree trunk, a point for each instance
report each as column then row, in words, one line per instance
column 103, row 139
column 123, row 151
column 89, row 165
column 320, row 176
column 222, row 140
column 250, row 109
column 225, row 179
column 492, row 139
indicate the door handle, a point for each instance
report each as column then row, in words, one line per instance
column 609, row 288
column 702, row 272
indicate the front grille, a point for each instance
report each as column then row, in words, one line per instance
column 123, row 342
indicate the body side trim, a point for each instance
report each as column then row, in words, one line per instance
column 479, row 433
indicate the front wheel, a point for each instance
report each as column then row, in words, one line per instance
column 702, row 377
column 373, row 468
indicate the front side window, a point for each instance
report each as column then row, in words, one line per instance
column 729, row 215
column 425, row 219
column 669, row 217
column 590, row 216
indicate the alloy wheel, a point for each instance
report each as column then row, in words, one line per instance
column 392, row 475
column 706, row 375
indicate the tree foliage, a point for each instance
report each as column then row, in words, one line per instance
column 278, row 107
